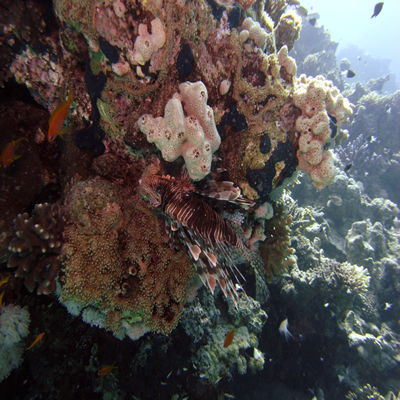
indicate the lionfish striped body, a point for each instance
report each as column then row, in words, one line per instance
column 205, row 233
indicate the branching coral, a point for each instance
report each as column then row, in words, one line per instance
column 328, row 282
column 37, row 248
column 353, row 278
column 358, row 153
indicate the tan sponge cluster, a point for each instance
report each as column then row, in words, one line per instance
column 318, row 97
column 194, row 137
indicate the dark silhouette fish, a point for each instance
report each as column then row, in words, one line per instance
column 348, row 166
column 350, row 73
column 312, row 21
column 377, row 9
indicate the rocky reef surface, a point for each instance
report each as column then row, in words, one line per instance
column 165, row 233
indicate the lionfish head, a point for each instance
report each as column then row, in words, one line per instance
column 151, row 187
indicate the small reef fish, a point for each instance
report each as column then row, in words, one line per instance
column 347, row 167
column 336, row 200
column 388, row 306
column 229, row 396
column 372, row 139
column 106, row 370
column 257, row 354
column 350, row 73
column 377, row 9
column 345, row 376
column 313, row 18
column 332, row 125
column 229, row 338
column 284, row 329
column 58, row 117
column 8, row 156
column 38, row 339
column 312, row 21
column 4, row 281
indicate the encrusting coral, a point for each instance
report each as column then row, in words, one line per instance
column 275, row 250
column 37, row 247
column 119, row 264
column 205, row 323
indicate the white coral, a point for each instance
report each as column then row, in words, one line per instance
column 14, row 325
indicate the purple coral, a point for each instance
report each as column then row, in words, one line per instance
column 37, row 247
column 358, row 153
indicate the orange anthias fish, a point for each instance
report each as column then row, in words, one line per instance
column 8, row 156
column 36, row 340
column 106, row 370
column 58, row 117
column 4, row 281
column 229, row 337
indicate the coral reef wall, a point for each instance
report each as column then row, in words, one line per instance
column 202, row 95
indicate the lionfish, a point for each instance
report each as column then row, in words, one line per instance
column 205, row 233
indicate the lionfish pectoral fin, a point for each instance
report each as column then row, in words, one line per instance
column 195, row 251
column 203, row 277
column 211, row 283
column 222, row 285
column 211, row 257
